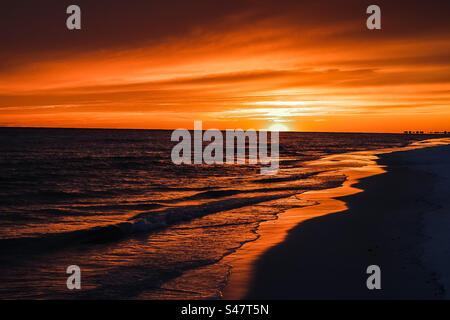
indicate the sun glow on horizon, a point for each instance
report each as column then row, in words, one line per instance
column 278, row 127
column 275, row 69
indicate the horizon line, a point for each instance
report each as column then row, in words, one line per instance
column 99, row 128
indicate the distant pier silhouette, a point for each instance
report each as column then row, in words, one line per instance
column 429, row 132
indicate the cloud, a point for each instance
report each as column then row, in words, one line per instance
column 178, row 59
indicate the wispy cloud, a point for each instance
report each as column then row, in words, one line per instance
column 235, row 64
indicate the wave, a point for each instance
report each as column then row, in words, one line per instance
column 288, row 178
column 143, row 222
column 221, row 193
column 150, row 221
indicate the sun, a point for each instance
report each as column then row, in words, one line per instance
column 278, row 127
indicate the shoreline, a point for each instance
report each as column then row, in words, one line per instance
column 259, row 267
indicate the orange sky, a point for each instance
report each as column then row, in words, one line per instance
column 251, row 65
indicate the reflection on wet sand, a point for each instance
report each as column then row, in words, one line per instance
column 354, row 165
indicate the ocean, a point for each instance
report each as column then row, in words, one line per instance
column 139, row 226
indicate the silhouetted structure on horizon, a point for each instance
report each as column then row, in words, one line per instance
column 422, row 132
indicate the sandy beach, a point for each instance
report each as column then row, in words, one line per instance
column 399, row 222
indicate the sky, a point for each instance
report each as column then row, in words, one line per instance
column 287, row 65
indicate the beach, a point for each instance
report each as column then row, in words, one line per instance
column 397, row 220
column 184, row 232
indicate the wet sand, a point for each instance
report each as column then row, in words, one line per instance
column 326, row 255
